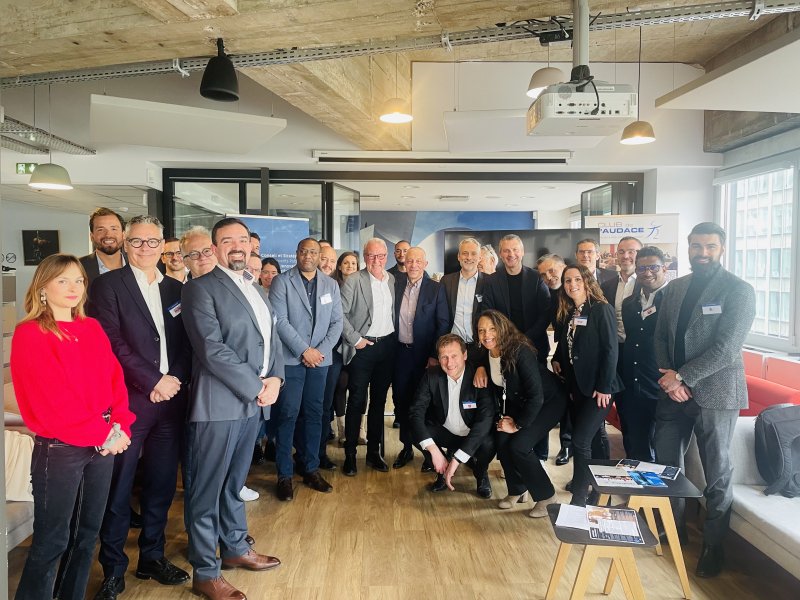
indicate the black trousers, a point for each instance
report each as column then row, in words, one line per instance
column 448, row 443
column 370, row 371
column 517, row 453
column 637, row 415
column 408, row 370
column 587, row 421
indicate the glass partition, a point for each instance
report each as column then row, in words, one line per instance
column 203, row 203
column 346, row 219
column 299, row 200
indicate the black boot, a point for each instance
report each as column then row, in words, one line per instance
column 711, row 560
column 349, row 468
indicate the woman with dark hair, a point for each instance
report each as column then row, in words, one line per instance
column 587, row 359
column 72, row 395
column 346, row 265
column 529, row 406
column 270, row 269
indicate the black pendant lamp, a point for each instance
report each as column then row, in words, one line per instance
column 219, row 79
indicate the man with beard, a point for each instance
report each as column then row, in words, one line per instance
column 105, row 231
column 704, row 320
column 173, row 260
column 400, row 251
column 327, row 260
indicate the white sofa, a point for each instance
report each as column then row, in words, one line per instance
column 770, row 523
column 19, row 514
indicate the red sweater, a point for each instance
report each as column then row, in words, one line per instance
column 63, row 387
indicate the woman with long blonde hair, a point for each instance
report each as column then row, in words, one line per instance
column 71, row 394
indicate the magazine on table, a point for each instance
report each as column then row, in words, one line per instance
column 647, row 479
column 612, row 477
column 663, row 471
column 614, row 524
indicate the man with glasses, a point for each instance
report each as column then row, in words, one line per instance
column 308, row 309
column 173, row 260
column 640, row 370
column 616, row 290
column 140, row 311
column 368, row 346
column 198, row 256
column 587, row 252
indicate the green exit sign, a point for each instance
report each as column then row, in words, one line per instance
column 25, row 168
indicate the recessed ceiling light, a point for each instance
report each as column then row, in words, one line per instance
column 512, row 204
column 549, row 187
column 408, row 197
column 287, row 195
column 527, row 197
column 493, row 197
column 411, row 187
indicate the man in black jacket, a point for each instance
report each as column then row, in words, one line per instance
column 452, row 419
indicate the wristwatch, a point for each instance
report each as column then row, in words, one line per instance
column 678, row 377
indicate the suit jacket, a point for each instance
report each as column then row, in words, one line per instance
column 535, row 304
column 604, row 275
column 594, row 351
column 610, row 287
column 357, row 310
column 450, row 284
column 640, row 370
column 228, row 349
column 91, row 267
column 121, row 309
column 288, row 297
column 713, row 343
column 430, row 318
column 524, row 392
column 431, row 403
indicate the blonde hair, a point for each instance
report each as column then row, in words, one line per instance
column 36, row 310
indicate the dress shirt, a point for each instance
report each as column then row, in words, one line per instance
column 408, row 308
column 453, row 422
column 382, row 309
column 101, row 266
column 648, row 302
column 624, row 289
column 462, row 322
column 311, row 293
column 243, row 281
column 152, row 297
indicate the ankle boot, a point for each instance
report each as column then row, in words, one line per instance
column 509, row 501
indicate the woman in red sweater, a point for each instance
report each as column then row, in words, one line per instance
column 71, row 393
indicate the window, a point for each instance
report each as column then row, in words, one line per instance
column 756, row 211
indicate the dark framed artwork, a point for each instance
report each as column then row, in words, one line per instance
column 38, row 244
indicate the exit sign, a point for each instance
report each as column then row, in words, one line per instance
column 25, row 168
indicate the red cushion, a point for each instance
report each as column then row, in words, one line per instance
column 613, row 417
column 763, row 393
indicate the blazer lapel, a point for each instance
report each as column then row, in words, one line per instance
column 444, row 393
column 300, row 288
column 452, row 291
column 366, row 290
column 228, row 283
column 503, row 279
column 129, row 280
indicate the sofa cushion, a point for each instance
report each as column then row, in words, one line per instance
column 777, row 517
column 762, row 393
column 19, row 522
column 742, row 455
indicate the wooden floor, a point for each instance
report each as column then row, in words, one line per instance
column 385, row 536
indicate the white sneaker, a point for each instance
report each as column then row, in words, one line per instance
column 247, row 494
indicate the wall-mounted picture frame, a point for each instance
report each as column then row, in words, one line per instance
column 38, row 244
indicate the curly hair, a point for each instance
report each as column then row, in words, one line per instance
column 509, row 339
column 593, row 292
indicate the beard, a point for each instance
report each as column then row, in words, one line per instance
column 107, row 249
column 702, row 269
column 237, row 264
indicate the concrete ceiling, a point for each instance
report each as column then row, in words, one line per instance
column 344, row 94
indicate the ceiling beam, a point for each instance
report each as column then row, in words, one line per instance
column 346, row 95
column 171, row 11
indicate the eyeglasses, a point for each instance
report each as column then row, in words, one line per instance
column 652, row 268
column 152, row 242
column 171, row 254
column 375, row 256
column 307, row 252
column 195, row 254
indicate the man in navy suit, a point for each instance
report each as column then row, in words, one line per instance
column 587, row 253
column 308, row 309
column 140, row 311
column 421, row 317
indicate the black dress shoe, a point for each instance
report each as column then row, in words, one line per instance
column 568, row 487
column 258, row 455
column 111, row 588
column 316, row 482
column 711, row 560
column 395, row 425
column 163, row 571
column 593, row 498
column 269, row 451
column 136, row 519
column 349, row 468
column 406, row 456
column 563, row 457
column 427, row 464
column 327, row 464
column 484, row 488
column 375, row 460
column 284, row 489
column 439, row 485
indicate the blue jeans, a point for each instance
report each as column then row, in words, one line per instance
column 66, row 480
column 299, row 407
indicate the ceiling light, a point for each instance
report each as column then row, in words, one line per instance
column 543, row 78
column 219, row 79
column 396, row 110
column 638, row 132
column 411, row 187
column 50, row 176
column 407, row 197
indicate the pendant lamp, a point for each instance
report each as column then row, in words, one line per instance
column 219, row 79
column 396, row 110
column 638, row 132
column 49, row 176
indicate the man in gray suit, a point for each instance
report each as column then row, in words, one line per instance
column 308, row 309
column 698, row 341
column 368, row 346
column 237, row 372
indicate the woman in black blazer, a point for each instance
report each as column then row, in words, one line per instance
column 587, row 358
column 527, row 408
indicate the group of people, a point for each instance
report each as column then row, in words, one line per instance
column 188, row 368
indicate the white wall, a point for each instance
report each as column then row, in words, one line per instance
column 553, row 219
column 73, row 235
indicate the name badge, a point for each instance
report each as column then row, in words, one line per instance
column 175, row 309
column 648, row 312
column 325, row 299
column 479, row 298
column 581, row 321
column 712, row 309
column 469, row 404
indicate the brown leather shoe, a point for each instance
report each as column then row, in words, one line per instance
column 216, row 589
column 252, row 561
column 316, row 482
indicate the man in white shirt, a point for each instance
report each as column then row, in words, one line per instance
column 368, row 346
column 452, row 419
column 464, row 291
